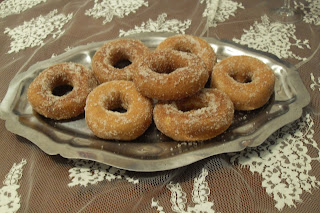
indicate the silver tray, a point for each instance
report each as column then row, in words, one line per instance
column 152, row 151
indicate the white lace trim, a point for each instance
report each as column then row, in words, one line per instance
column 219, row 10
column 273, row 37
column 200, row 195
column 10, row 7
column 311, row 11
column 210, row 11
column 315, row 82
column 107, row 9
column 284, row 163
column 33, row 32
column 87, row 172
column 160, row 25
column 9, row 197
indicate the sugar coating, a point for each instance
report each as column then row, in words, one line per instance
column 104, row 60
column 170, row 75
column 200, row 117
column 109, row 124
column 192, row 44
column 230, row 74
column 61, row 107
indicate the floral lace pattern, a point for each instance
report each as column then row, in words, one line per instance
column 87, row 172
column 33, row 32
column 311, row 11
column 284, row 162
column 10, row 7
column 273, row 37
column 110, row 8
column 9, row 197
column 200, row 194
column 160, row 25
column 315, row 82
column 219, row 10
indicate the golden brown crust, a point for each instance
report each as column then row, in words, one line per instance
column 105, row 59
column 200, row 117
column 192, row 44
column 61, row 107
column 246, row 80
column 170, row 75
column 109, row 124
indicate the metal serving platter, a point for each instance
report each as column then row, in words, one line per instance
column 153, row 151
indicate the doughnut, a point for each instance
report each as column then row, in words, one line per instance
column 115, row 59
column 200, row 117
column 170, row 75
column 192, row 44
column 74, row 80
column 246, row 80
column 107, row 123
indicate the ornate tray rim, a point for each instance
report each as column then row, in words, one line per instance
column 150, row 165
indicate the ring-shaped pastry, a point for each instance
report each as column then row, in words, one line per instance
column 170, row 75
column 74, row 81
column 200, row 117
column 246, row 80
column 116, row 59
column 108, row 123
column 192, row 44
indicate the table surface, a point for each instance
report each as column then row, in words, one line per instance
column 280, row 175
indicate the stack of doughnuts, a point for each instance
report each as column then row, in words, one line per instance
column 130, row 86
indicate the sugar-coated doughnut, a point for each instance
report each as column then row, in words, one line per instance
column 170, row 75
column 115, row 60
column 200, row 117
column 108, row 124
column 43, row 100
column 246, row 80
column 193, row 44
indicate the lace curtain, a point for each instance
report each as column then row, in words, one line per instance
column 281, row 175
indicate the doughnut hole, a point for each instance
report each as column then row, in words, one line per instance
column 183, row 48
column 115, row 104
column 62, row 90
column 243, row 74
column 199, row 101
column 61, row 87
column 246, row 78
column 165, row 65
column 120, row 59
column 187, row 106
